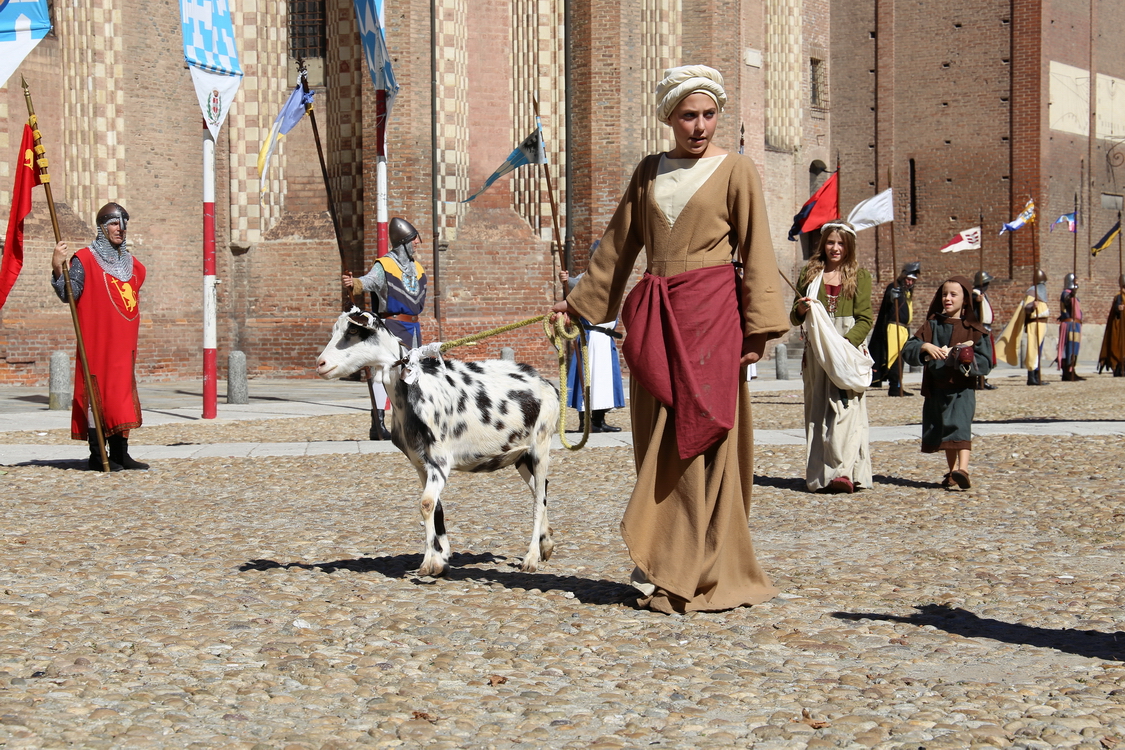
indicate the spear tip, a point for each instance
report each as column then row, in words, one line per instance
column 23, row 82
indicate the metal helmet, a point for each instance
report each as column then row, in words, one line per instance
column 1070, row 282
column 401, row 231
column 982, row 279
column 111, row 211
column 1040, row 276
column 911, row 270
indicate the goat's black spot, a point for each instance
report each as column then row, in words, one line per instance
column 503, row 407
column 439, row 526
column 491, row 464
column 484, row 403
column 475, row 367
column 528, row 404
column 430, row 365
column 527, row 369
column 514, row 436
column 459, row 430
column 462, row 402
column 449, row 379
column 358, row 332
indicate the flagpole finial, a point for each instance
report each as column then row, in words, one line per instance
column 23, row 82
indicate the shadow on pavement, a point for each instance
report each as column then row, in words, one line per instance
column 1090, row 643
column 783, row 483
column 585, row 590
column 899, row 481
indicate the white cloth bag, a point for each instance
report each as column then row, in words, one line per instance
column 848, row 367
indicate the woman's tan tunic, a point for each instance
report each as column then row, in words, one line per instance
column 687, row 523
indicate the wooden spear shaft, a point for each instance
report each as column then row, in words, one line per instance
column 45, row 178
column 551, row 197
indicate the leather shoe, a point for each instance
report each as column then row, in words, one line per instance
column 841, row 486
column 961, row 478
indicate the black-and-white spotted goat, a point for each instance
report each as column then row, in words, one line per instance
column 450, row 415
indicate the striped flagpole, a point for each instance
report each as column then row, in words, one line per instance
column 210, row 305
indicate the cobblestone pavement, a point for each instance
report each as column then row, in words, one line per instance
column 273, row 603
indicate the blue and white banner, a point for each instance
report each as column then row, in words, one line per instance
column 212, row 57
column 23, row 23
column 369, row 17
column 532, row 150
column 287, row 119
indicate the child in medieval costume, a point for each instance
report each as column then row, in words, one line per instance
column 1070, row 329
column 954, row 350
column 1031, row 318
column 1112, row 355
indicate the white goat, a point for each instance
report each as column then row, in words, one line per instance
column 446, row 415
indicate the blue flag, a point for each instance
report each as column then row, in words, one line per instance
column 531, row 150
column 1070, row 219
column 1027, row 215
column 369, row 17
column 287, row 119
column 22, row 26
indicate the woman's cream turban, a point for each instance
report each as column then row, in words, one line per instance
column 681, row 82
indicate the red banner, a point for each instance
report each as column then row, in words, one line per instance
column 27, row 177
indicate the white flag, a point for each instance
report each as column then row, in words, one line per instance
column 212, row 57
column 878, row 209
column 967, row 240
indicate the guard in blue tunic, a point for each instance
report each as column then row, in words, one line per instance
column 397, row 283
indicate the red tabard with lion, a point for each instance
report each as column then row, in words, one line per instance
column 109, row 315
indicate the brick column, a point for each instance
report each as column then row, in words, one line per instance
column 1028, row 124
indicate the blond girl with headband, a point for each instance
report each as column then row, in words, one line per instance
column 694, row 321
column 837, row 455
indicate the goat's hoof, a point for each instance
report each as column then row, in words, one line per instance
column 530, row 564
column 436, row 569
column 546, row 549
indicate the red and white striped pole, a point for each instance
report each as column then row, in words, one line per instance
column 381, row 219
column 210, row 304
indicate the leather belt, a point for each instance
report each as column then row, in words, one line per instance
column 402, row 318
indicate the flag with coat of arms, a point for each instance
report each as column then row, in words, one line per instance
column 969, row 239
column 27, row 177
column 212, row 57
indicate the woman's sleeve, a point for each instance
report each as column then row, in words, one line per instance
column 861, row 309
column 763, row 306
column 597, row 295
column 795, row 318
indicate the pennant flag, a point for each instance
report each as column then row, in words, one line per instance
column 823, row 206
column 1070, row 219
column 1104, row 242
column 531, row 151
column 27, row 177
column 369, row 16
column 287, row 119
column 966, row 240
column 1027, row 215
column 23, row 24
column 212, row 57
column 876, row 210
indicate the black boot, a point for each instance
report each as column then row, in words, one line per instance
column 119, row 454
column 597, row 422
column 95, row 462
column 1031, row 377
column 378, row 429
column 1039, row 377
column 582, row 422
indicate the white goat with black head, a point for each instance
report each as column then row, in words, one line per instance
column 450, row 415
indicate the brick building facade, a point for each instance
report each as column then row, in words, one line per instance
column 968, row 109
column 120, row 122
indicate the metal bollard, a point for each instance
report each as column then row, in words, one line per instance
column 237, row 392
column 61, row 388
column 508, row 353
column 781, row 362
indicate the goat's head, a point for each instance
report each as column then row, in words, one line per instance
column 359, row 339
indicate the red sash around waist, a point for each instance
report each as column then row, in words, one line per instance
column 684, row 344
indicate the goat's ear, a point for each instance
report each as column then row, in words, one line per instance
column 363, row 319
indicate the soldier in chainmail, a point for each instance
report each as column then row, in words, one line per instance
column 106, row 281
column 397, row 283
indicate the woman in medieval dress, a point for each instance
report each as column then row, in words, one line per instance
column 694, row 322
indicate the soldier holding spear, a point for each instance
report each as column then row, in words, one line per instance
column 102, row 285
